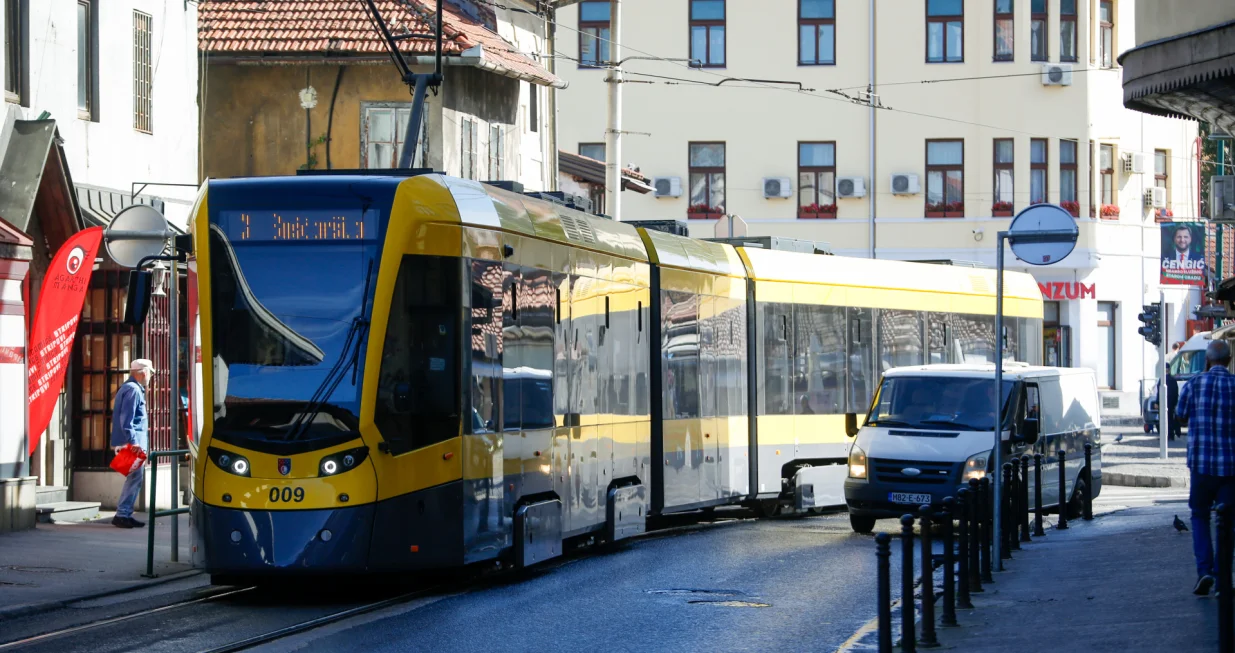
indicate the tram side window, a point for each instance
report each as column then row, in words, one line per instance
column 861, row 358
column 485, row 316
column 513, row 350
column 680, row 354
column 730, row 333
column 642, row 365
column 975, row 338
column 819, row 360
column 938, row 338
column 900, row 339
column 418, row 386
column 738, row 404
column 708, row 362
column 561, row 343
column 776, row 332
column 536, row 318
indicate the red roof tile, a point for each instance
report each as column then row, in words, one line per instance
column 251, row 28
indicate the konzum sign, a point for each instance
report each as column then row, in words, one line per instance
column 1067, row 290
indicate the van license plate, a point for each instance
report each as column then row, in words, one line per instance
column 905, row 497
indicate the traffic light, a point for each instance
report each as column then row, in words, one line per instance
column 1152, row 319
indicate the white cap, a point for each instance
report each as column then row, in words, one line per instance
column 140, row 364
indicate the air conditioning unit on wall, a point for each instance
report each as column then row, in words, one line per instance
column 849, row 187
column 905, row 184
column 777, row 187
column 1134, row 162
column 1056, row 74
column 1155, row 197
column 667, row 186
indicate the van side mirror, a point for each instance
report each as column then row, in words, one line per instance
column 851, row 424
column 141, row 283
column 1029, row 430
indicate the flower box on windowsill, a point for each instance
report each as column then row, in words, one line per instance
column 817, row 212
column 1072, row 207
column 1164, row 215
column 936, row 214
column 1002, row 210
column 704, row 215
column 1109, row 212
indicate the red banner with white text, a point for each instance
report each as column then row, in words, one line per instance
column 55, row 325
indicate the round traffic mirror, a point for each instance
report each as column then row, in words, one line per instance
column 1042, row 234
column 135, row 233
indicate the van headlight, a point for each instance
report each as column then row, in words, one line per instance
column 857, row 462
column 975, row 466
column 337, row 463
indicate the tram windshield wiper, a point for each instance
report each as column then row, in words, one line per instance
column 349, row 357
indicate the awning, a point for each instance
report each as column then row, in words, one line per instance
column 36, row 180
column 99, row 205
column 14, row 243
column 1186, row 76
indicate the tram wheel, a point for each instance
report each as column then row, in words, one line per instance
column 765, row 508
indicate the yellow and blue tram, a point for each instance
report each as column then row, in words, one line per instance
column 412, row 372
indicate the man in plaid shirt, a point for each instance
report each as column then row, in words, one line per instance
column 1208, row 403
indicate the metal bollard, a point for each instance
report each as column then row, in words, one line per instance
column 883, row 557
column 949, row 565
column 1024, row 510
column 1088, row 514
column 909, row 641
column 1014, row 506
column 1037, row 496
column 964, row 511
column 1005, row 529
column 974, row 508
column 928, row 639
column 1063, row 493
column 987, row 536
column 1226, row 620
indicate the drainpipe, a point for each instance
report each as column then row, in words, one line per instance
column 871, row 89
column 551, row 157
column 613, row 136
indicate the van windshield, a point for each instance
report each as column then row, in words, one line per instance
column 1188, row 363
column 933, row 402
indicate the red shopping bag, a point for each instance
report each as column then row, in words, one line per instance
column 123, row 462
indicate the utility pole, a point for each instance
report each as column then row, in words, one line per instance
column 418, row 83
column 613, row 135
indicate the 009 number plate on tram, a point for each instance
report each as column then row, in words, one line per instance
column 906, row 497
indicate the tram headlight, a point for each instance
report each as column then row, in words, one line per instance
column 342, row 461
column 857, row 462
column 230, row 462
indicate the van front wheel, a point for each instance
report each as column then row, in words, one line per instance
column 1076, row 506
column 861, row 524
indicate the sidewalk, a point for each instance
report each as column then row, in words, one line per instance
column 56, row 564
column 1134, row 461
column 1119, row 583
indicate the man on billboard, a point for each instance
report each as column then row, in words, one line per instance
column 1183, row 253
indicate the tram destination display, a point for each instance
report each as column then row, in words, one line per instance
column 299, row 225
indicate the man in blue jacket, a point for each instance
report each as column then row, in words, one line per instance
column 130, row 425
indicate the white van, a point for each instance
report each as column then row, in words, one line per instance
column 931, row 429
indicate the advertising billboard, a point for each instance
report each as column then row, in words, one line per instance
column 1183, row 253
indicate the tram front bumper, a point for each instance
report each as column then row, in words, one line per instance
column 283, row 541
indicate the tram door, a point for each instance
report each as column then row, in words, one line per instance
column 938, row 339
column 862, row 375
column 566, row 421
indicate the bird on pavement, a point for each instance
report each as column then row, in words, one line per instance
column 1119, row 438
column 1179, row 524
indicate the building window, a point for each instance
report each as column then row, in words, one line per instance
column 467, row 151
column 1067, row 30
column 1037, row 31
column 14, row 50
column 1161, row 161
column 143, row 72
column 533, row 107
column 945, row 31
column 1106, row 346
column 497, row 152
column 382, row 130
column 1005, row 179
column 816, row 180
column 707, row 180
column 87, row 61
column 1067, row 176
column 592, row 150
column 1093, row 195
column 1037, row 170
column 1106, row 39
column 594, row 23
column 707, row 32
column 1106, row 166
column 816, row 32
column 1005, row 28
column 945, row 179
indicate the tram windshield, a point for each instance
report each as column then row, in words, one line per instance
column 933, row 402
column 289, row 298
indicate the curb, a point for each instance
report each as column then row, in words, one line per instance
column 27, row 609
column 1142, row 480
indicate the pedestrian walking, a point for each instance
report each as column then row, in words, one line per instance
column 1206, row 402
column 130, row 427
column 1172, row 403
